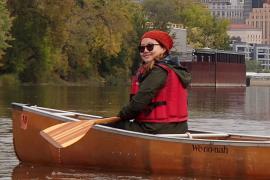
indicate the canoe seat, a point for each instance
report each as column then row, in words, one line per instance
column 64, row 114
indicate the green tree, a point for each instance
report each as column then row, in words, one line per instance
column 39, row 32
column 160, row 12
column 203, row 29
column 5, row 24
column 253, row 66
column 101, row 39
column 29, row 57
column 69, row 39
column 139, row 27
column 221, row 38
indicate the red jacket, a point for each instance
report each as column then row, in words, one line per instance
column 169, row 105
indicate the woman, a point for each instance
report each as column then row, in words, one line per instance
column 158, row 102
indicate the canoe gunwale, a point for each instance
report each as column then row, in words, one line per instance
column 53, row 113
column 186, row 140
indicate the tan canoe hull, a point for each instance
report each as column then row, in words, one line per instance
column 108, row 148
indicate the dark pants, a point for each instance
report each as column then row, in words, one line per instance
column 153, row 128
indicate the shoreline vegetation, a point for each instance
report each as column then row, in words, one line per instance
column 12, row 80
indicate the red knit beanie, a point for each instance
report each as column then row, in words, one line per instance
column 160, row 36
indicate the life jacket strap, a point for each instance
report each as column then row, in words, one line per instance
column 153, row 105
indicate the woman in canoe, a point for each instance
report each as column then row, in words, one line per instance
column 158, row 101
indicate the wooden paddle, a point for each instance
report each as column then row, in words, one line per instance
column 66, row 134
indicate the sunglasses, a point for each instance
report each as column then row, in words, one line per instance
column 149, row 47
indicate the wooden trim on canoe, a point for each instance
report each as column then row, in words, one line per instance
column 65, row 116
column 265, row 141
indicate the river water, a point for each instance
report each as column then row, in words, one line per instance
column 237, row 110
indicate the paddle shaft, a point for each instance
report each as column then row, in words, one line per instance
column 106, row 120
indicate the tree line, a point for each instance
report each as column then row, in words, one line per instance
column 75, row 40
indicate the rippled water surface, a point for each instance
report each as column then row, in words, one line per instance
column 237, row 110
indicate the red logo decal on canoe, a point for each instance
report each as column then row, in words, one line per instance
column 24, row 121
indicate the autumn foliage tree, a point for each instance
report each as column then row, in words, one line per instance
column 75, row 40
column 203, row 29
column 5, row 24
column 71, row 39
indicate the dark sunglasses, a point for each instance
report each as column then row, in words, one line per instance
column 149, row 47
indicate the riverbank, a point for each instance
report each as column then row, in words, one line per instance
column 257, row 79
column 11, row 80
column 259, row 82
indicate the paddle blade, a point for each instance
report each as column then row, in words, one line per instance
column 66, row 134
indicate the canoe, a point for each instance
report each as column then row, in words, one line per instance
column 198, row 153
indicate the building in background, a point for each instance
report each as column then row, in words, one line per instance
column 257, row 3
column 234, row 10
column 260, row 18
column 181, row 49
column 257, row 52
column 262, row 54
column 245, row 33
column 247, row 9
column 245, row 48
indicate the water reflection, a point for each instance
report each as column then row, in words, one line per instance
column 8, row 158
column 257, row 103
column 102, row 100
column 37, row 171
column 215, row 101
column 238, row 110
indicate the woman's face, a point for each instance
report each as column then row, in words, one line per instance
column 150, row 50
